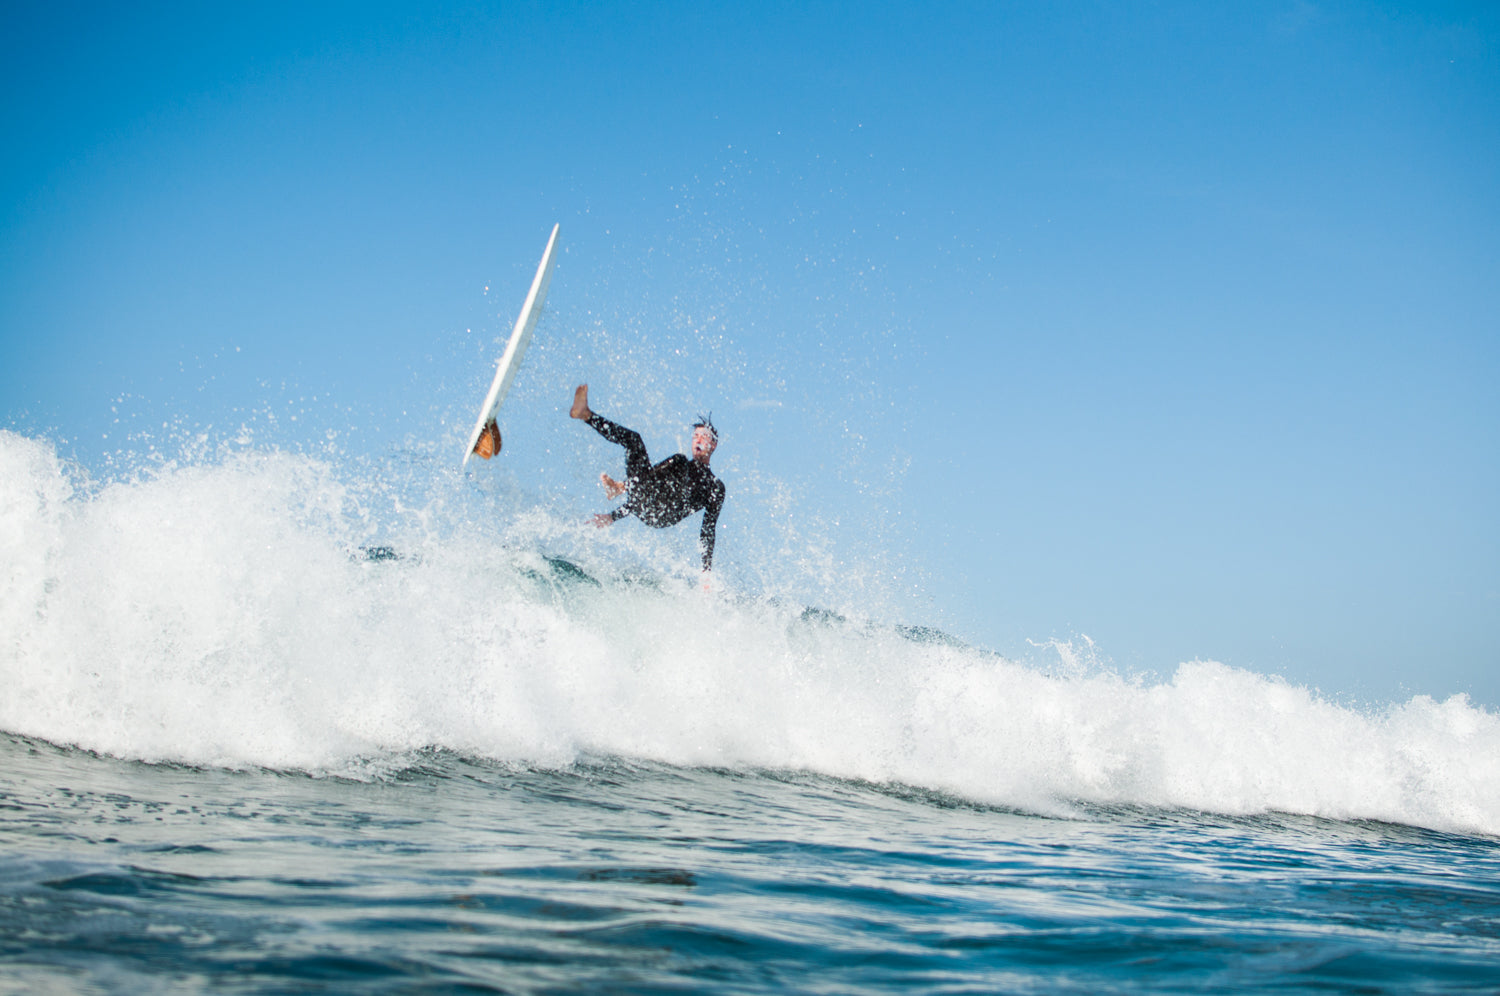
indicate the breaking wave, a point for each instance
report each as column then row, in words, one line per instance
column 260, row 608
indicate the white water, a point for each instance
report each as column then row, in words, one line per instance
column 219, row 612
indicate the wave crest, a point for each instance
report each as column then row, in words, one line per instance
column 231, row 613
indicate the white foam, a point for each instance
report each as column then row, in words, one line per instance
column 219, row 613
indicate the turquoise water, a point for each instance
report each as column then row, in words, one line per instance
column 460, row 874
column 256, row 735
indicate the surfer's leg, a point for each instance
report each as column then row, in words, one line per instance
column 616, row 433
column 636, row 460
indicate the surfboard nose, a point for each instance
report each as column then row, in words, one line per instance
column 515, row 348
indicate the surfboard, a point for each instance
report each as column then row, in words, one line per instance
column 485, row 439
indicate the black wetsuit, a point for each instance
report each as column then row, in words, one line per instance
column 667, row 493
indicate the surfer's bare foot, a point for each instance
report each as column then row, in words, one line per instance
column 581, row 403
column 612, row 487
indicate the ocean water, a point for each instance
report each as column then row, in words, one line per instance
column 270, row 728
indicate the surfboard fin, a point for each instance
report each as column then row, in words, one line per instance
column 489, row 441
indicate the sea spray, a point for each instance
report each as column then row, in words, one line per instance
column 239, row 612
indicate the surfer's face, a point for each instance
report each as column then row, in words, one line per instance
column 704, row 442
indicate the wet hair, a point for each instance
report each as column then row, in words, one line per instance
column 707, row 422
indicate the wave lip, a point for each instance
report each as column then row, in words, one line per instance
column 230, row 613
column 1224, row 740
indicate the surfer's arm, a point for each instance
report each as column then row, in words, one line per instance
column 611, row 517
column 711, row 524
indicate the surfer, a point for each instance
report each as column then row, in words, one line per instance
column 670, row 491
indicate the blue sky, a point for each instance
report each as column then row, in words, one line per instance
column 1174, row 325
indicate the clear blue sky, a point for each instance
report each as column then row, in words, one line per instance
column 1172, row 324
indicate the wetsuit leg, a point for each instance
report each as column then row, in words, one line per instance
column 636, row 460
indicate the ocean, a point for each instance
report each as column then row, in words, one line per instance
column 268, row 728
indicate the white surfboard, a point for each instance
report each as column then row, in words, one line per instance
column 510, row 360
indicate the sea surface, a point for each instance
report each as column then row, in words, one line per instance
column 260, row 734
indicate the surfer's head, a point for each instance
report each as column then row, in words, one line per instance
column 705, row 437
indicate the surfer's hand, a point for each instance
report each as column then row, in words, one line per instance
column 603, row 519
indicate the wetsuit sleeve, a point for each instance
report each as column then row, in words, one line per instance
column 711, row 524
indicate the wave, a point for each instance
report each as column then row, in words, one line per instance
column 262, row 608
